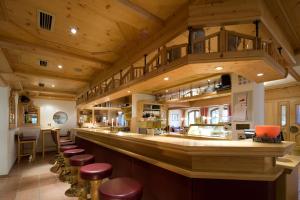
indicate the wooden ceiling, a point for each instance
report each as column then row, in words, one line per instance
column 106, row 30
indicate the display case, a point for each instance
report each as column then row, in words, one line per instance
column 209, row 131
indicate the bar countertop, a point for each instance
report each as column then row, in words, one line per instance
column 242, row 159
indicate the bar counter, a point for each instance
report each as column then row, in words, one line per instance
column 189, row 168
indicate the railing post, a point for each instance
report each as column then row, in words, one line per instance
column 145, row 64
column 157, row 60
column 256, row 45
column 164, row 55
column 223, row 40
column 121, row 78
column 190, row 48
column 132, row 72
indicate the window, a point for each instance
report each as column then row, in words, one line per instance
column 193, row 116
column 298, row 114
column 283, row 115
column 214, row 114
column 225, row 114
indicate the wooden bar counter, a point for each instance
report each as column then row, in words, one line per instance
column 188, row 169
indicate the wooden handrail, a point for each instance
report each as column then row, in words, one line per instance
column 169, row 54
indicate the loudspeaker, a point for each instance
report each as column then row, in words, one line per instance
column 24, row 99
column 225, row 81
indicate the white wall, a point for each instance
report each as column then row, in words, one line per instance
column 49, row 107
column 7, row 137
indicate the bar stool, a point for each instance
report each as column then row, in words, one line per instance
column 95, row 173
column 122, row 188
column 59, row 141
column 77, row 184
column 26, row 140
column 66, row 172
column 59, row 161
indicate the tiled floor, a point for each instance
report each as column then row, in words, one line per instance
column 33, row 181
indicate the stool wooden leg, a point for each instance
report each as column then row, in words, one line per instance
column 19, row 152
column 94, row 189
column 33, row 151
column 83, row 187
column 65, row 172
column 73, row 191
column 58, row 164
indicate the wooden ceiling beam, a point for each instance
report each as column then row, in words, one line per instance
column 293, row 73
column 39, row 96
column 49, row 91
column 50, row 75
column 11, row 43
column 142, row 12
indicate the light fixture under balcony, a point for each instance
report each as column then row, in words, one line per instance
column 219, row 68
column 166, row 78
column 59, row 66
column 259, row 74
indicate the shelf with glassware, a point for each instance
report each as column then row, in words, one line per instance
column 29, row 115
column 151, row 115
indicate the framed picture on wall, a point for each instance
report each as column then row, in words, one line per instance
column 12, row 110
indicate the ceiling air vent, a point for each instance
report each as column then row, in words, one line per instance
column 45, row 20
column 43, row 63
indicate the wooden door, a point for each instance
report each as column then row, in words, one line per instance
column 295, row 124
column 284, row 118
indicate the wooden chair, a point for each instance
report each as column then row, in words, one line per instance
column 25, row 140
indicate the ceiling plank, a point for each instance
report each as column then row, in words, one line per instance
column 5, row 68
column 174, row 26
column 288, row 20
column 2, row 81
column 4, row 63
column 45, row 74
column 11, row 43
column 143, row 12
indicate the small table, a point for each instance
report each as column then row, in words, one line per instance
column 48, row 130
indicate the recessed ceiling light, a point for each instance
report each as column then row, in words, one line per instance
column 73, row 30
column 60, row 66
column 259, row 74
column 128, row 91
column 167, row 90
column 166, row 78
column 52, row 85
column 219, row 68
column 208, row 80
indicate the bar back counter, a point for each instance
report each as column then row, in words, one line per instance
column 173, row 168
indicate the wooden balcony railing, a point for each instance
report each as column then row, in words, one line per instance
column 219, row 42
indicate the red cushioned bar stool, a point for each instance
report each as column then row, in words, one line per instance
column 59, row 162
column 122, row 188
column 66, row 173
column 78, row 184
column 95, row 173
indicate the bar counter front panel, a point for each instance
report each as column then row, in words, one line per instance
column 168, row 171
